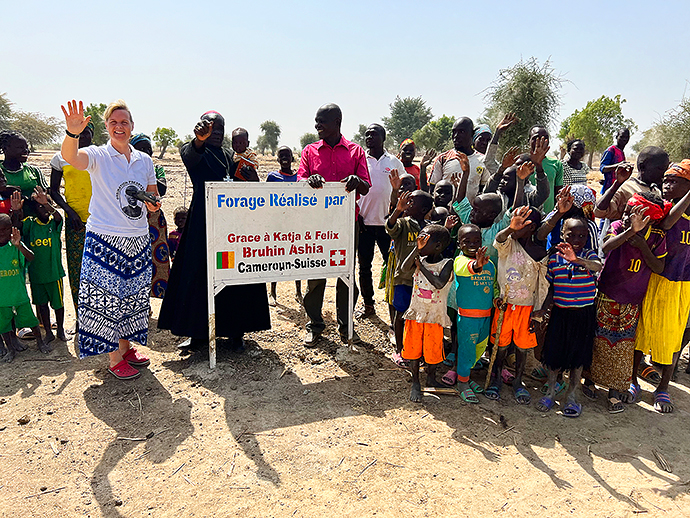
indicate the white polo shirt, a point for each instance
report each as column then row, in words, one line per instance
column 112, row 211
column 479, row 175
column 374, row 206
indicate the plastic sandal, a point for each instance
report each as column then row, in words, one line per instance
column 449, row 378
column 615, row 406
column 650, row 375
column 124, row 371
column 135, row 358
column 589, row 391
column 522, row 392
column 493, row 392
column 468, row 396
column 476, row 387
column 399, row 361
column 507, row 377
column 545, row 404
column 539, row 373
column 560, row 387
column 634, row 391
column 572, row 409
column 662, row 397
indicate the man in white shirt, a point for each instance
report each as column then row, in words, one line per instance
column 446, row 164
column 373, row 209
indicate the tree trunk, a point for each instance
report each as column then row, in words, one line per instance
column 589, row 162
column 163, row 148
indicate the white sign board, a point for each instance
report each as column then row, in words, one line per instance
column 266, row 232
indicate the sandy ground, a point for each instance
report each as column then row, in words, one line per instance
column 287, row 431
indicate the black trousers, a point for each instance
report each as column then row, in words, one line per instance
column 313, row 300
column 369, row 237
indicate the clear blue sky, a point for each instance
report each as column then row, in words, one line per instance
column 252, row 61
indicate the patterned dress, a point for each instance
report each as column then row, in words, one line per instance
column 158, row 229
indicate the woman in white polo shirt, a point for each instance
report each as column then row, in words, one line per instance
column 116, row 266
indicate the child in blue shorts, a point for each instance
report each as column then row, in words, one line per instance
column 404, row 225
column 14, row 304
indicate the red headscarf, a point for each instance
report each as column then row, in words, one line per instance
column 654, row 211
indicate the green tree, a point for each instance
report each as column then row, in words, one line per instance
column 261, row 144
column 163, row 137
column 5, row 112
column 407, row 116
column 531, row 91
column 436, row 134
column 307, row 139
column 36, row 127
column 358, row 137
column 596, row 124
column 100, row 135
column 671, row 133
column 271, row 136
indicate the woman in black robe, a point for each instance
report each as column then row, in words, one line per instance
column 239, row 309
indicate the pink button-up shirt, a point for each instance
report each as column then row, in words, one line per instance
column 334, row 163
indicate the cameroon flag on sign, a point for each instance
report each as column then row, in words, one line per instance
column 225, row 260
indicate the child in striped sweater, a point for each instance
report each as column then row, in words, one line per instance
column 570, row 335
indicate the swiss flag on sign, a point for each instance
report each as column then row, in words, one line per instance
column 337, row 257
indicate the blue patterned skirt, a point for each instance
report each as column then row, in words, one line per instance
column 114, row 291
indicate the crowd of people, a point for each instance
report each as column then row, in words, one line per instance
column 487, row 260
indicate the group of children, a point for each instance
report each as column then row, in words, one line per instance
column 30, row 242
column 500, row 274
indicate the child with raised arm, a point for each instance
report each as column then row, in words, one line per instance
column 521, row 276
column 14, row 303
column 666, row 305
column 244, row 157
column 284, row 174
column 426, row 316
column 570, row 333
column 404, row 225
column 634, row 247
column 41, row 233
column 475, row 275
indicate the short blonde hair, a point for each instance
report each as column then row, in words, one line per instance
column 117, row 105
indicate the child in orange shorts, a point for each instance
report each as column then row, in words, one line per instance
column 427, row 316
column 522, row 280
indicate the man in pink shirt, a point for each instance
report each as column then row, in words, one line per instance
column 331, row 159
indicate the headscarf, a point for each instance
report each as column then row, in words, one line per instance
column 584, row 198
column 139, row 137
column 406, row 142
column 482, row 128
column 682, row 169
column 91, row 126
column 654, row 211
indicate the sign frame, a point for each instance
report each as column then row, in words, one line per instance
column 215, row 285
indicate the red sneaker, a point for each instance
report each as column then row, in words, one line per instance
column 123, row 371
column 133, row 357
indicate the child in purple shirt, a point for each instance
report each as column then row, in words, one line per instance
column 634, row 249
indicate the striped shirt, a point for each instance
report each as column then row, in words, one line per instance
column 573, row 286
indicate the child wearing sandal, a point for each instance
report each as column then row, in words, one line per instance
column 404, row 225
column 426, row 316
column 666, row 304
column 634, row 249
column 521, row 277
column 570, row 334
column 474, row 287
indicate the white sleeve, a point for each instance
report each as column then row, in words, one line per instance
column 57, row 162
column 437, row 172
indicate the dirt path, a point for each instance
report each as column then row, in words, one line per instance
column 287, row 431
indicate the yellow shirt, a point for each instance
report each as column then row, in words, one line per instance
column 77, row 186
